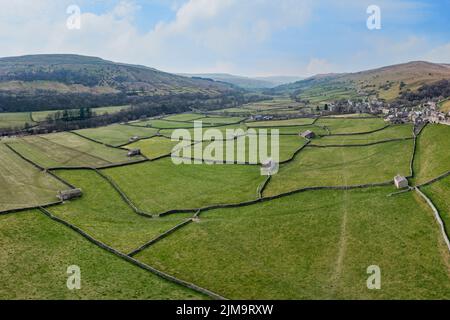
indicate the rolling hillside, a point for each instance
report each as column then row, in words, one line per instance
column 246, row 82
column 74, row 73
column 386, row 83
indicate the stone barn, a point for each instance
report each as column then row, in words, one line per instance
column 69, row 194
column 401, row 182
column 134, row 152
column 308, row 134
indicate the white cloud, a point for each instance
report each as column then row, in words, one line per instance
column 203, row 32
column 439, row 54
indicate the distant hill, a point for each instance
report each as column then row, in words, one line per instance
column 74, row 73
column 386, row 83
column 55, row 81
column 246, row 82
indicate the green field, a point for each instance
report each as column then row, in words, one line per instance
column 15, row 120
column 154, row 147
column 314, row 245
column 281, row 123
column 103, row 214
column 432, row 156
column 42, row 115
column 439, row 193
column 23, row 185
column 68, row 150
column 161, row 185
column 223, row 129
column 164, row 124
column 345, row 126
column 35, row 253
column 343, row 166
column 117, row 134
column 392, row 132
column 184, row 117
column 217, row 150
column 214, row 121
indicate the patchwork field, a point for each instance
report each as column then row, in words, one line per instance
column 155, row 147
column 308, row 245
column 432, row 156
column 184, row 117
column 281, row 123
column 312, row 246
column 22, row 185
column 439, row 193
column 243, row 152
column 103, row 214
column 345, row 126
column 160, row 186
column 15, row 120
column 68, row 150
column 117, row 134
column 392, row 132
column 164, row 124
column 343, row 166
column 35, row 253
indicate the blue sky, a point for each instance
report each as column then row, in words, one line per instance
column 245, row 37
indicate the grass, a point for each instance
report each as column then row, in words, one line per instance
column 343, row 166
column 161, row 185
column 117, row 134
column 432, row 155
column 287, row 146
column 164, row 124
column 35, row 253
column 439, row 193
column 23, row 185
column 184, row 117
column 40, row 116
column 154, row 147
column 213, row 121
column 223, row 129
column 281, row 123
column 314, row 245
column 103, row 214
column 15, row 120
column 444, row 106
column 345, row 126
column 67, row 150
column 392, row 132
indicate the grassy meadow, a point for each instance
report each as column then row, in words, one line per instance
column 103, row 214
column 315, row 245
column 22, row 185
column 346, row 126
column 432, row 156
column 117, row 134
column 161, row 185
column 35, row 253
column 343, row 166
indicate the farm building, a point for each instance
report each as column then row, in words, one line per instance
column 269, row 167
column 134, row 152
column 308, row 134
column 401, row 182
column 69, row 194
column 134, row 139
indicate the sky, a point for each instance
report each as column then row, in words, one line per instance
column 242, row 37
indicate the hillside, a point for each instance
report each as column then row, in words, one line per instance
column 246, row 82
column 38, row 75
column 385, row 83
